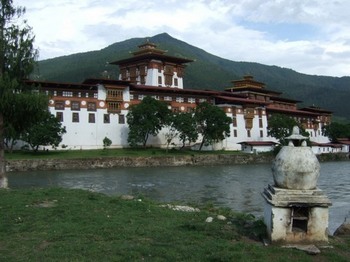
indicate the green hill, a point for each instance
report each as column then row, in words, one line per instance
column 207, row 72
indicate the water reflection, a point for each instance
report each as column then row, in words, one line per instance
column 237, row 187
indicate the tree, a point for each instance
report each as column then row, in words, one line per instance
column 145, row 119
column 19, row 105
column 280, row 126
column 336, row 130
column 212, row 123
column 46, row 132
column 186, row 126
column 10, row 137
column 106, row 143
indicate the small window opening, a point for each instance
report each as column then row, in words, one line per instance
column 300, row 218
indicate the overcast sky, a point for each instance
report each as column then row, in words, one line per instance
column 309, row 36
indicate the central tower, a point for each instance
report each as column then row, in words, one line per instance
column 152, row 67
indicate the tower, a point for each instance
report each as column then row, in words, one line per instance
column 152, row 67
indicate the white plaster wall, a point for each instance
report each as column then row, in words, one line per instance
column 152, row 77
column 85, row 135
column 277, row 220
column 101, row 92
column 318, row 223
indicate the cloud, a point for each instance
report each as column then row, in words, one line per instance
column 309, row 36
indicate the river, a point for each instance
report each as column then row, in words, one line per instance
column 235, row 186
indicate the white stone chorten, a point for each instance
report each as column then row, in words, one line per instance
column 296, row 211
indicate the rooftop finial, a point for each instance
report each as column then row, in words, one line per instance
column 295, row 138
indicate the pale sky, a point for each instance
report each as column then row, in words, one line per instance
column 309, row 36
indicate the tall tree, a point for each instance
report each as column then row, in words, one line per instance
column 47, row 131
column 213, row 123
column 281, row 126
column 17, row 58
column 145, row 119
column 186, row 125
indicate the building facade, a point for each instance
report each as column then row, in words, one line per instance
column 97, row 108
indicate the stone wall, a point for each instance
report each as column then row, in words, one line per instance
column 155, row 161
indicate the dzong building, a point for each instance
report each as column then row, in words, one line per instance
column 97, row 108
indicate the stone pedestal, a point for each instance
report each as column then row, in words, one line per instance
column 296, row 216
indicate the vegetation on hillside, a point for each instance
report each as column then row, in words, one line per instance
column 206, row 72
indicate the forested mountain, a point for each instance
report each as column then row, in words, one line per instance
column 206, row 72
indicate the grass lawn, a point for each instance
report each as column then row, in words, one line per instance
column 75, row 225
column 137, row 152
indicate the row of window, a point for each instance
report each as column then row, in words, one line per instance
column 71, row 94
column 168, row 80
column 234, row 122
column 75, row 105
column 115, row 93
column 235, row 133
column 91, row 118
column 190, row 100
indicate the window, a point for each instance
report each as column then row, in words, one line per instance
column 59, row 116
column 67, row 93
column 235, row 132
column 106, row 118
column 115, row 93
column 180, row 99
column 160, row 80
column 260, row 122
column 141, row 97
column 91, row 118
column 155, row 97
column 168, row 98
column 75, row 117
column 91, row 106
column 131, row 96
column 248, row 133
column 176, row 83
column 114, row 106
column 234, row 121
column 191, row 100
column 299, row 219
column 261, row 133
column 75, row 106
column 121, row 119
column 202, row 100
column 59, row 105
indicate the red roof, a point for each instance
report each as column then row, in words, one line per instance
column 335, row 145
column 242, row 100
column 258, row 143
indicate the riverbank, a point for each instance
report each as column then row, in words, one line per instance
column 75, row 225
column 143, row 161
column 48, row 164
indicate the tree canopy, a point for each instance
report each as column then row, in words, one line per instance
column 336, row 130
column 212, row 123
column 20, row 106
column 280, row 126
column 145, row 119
column 47, row 131
column 185, row 124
